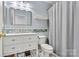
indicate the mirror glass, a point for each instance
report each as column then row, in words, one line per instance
column 22, row 17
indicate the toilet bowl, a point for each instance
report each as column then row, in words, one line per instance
column 46, row 48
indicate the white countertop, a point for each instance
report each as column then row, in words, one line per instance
column 15, row 34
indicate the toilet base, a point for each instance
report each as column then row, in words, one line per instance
column 45, row 54
column 42, row 54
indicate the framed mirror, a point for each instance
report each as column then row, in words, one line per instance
column 22, row 17
column 17, row 17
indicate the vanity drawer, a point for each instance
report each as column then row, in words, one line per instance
column 30, row 39
column 32, row 45
column 12, row 49
column 12, row 40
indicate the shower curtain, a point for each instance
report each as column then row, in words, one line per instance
column 61, row 18
column 55, row 27
column 52, row 26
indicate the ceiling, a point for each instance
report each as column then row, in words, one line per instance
column 41, row 7
column 45, row 4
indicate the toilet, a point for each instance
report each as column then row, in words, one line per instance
column 46, row 48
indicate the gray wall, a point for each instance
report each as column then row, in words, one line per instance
column 38, row 9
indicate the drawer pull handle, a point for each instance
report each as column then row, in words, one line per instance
column 30, row 38
column 29, row 44
column 13, row 40
column 13, row 47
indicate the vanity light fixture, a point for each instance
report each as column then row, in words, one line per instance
column 19, row 5
column 22, row 6
column 28, row 7
column 14, row 4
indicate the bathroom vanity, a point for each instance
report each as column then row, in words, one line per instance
column 19, row 42
column 20, row 34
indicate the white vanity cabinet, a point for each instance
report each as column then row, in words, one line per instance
column 13, row 44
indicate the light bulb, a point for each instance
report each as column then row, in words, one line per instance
column 28, row 7
column 22, row 6
column 14, row 4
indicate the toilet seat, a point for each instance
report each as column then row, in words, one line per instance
column 47, row 48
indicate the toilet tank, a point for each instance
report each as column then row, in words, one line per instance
column 42, row 39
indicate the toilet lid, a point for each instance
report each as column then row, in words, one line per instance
column 46, row 46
